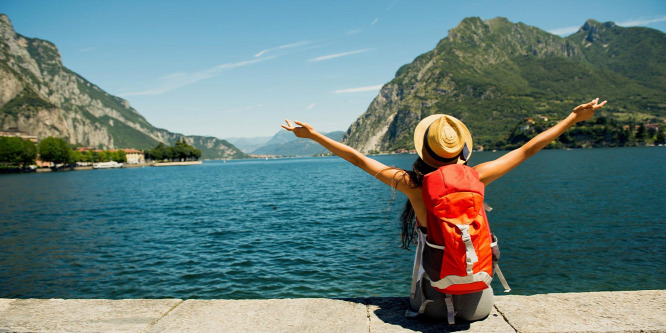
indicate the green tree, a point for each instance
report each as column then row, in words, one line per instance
column 16, row 151
column 120, row 156
column 196, row 154
column 95, row 157
column 170, row 153
column 55, row 150
column 105, row 156
column 180, row 150
column 77, row 156
column 652, row 133
column 10, row 149
column 185, row 152
column 661, row 138
column 641, row 133
column 29, row 153
column 160, row 152
column 86, row 156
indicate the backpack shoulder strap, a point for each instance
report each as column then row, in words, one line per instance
column 417, row 296
column 496, row 269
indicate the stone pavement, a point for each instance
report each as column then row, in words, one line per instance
column 625, row 311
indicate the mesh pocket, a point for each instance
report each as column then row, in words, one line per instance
column 432, row 262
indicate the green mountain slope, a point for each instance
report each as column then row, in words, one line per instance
column 495, row 73
column 40, row 96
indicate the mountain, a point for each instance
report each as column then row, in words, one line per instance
column 40, row 96
column 285, row 143
column 247, row 145
column 274, row 143
column 492, row 74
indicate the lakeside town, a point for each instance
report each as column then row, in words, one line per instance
column 22, row 152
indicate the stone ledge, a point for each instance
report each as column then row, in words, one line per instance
column 625, row 311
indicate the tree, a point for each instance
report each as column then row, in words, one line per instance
column 16, row 151
column 29, row 153
column 641, row 133
column 661, row 138
column 169, row 153
column 185, row 152
column 55, row 150
column 105, row 156
column 180, row 151
column 197, row 154
column 77, row 156
column 160, row 152
column 87, row 156
column 95, row 156
column 120, row 156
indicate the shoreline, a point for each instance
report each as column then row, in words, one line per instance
column 176, row 163
column 86, row 168
column 140, row 165
column 618, row 311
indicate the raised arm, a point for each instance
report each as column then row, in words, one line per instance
column 390, row 176
column 495, row 169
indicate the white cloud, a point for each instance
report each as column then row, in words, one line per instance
column 310, row 106
column 180, row 79
column 286, row 46
column 642, row 21
column 392, row 4
column 564, row 31
column 354, row 32
column 359, row 89
column 629, row 23
column 374, row 21
column 338, row 55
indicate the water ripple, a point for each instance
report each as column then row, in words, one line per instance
column 318, row 227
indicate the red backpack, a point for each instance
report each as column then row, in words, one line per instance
column 458, row 257
column 460, row 254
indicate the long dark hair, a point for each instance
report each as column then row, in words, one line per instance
column 407, row 218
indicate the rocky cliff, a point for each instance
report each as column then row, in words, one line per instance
column 40, row 96
column 490, row 74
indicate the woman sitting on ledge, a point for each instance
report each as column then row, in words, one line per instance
column 441, row 140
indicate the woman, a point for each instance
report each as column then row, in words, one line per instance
column 440, row 140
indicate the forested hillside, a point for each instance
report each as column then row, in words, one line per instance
column 495, row 74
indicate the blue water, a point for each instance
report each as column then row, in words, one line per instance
column 579, row 220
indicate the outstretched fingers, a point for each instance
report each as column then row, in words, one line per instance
column 600, row 105
column 289, row 127
column 594, row 105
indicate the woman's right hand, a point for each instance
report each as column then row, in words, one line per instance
column 302, row 131
column 586, row 111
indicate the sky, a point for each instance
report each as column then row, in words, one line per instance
column 239, row 68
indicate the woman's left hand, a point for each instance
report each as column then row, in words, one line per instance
column 302, row 131
column 586, row 111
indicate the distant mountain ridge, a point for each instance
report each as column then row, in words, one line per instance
column 491, row 74
column 285, row 143
column 247, row 145
column 40, row 96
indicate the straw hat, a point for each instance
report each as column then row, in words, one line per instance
column 440, row 139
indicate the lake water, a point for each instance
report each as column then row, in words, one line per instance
column 578, row 220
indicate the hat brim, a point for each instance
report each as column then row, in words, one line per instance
column 419, row 133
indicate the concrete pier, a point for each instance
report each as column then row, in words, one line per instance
column 626, row 311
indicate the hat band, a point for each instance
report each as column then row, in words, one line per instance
column 464, row 153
